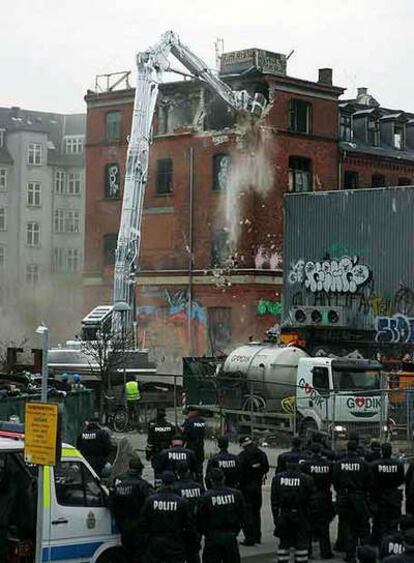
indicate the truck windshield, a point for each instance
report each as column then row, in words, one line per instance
column 356, row 380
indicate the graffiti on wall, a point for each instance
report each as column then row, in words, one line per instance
column 265, row 307
column 398, row 329
column 345, row 275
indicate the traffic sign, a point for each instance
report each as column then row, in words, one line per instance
column 41, row 433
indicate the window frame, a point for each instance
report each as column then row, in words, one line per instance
column 323, row 391
column 59, row 221
column 398, row 125
column 72, row 221
column 162, row 175
column 3, row 180
column 34, row 194
column 58, row 259
column 355, row 175
column 374, row 131
column 73, row 144
column 105, row 248
column 2, row 257
column 302, row 170
column 293, row 121
column 74, row 183
column 217, row 158
column 60, row 182
column 33, row 233
column 113, row 131
column 3, row 219
column 32, row 274
column 72, row 260
column 378, row 181
column 2, row 137
column 34, row 154
column 86, row 475
column 346, row 132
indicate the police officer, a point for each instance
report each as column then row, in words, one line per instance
column 387, row 477
column 191, row 490
column 220, row 519
column 127, row 499
column 194, row 430
column 94, row 443
column 225, row 461
column 408, row 554
column 351, row 480
column 294, row 455
column 159, row 432
column 393, row 544
column 254, row 465
column 320, row 469
column 133, row 396
column 292, row 498
column 374, row 451
column 169, row 459
column 166, row 525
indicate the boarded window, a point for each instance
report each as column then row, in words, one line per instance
column 219, row 328
column 221, row 166
column 113, row 126
column 109, row 249
column 220, row 249
column 300, row 174
column 377, row 181
column 164, row 176
column 300, row 116
column 350, row 180
column 112, row 181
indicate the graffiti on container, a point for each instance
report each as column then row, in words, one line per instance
column 380, row 305
column 404, row 301
column 265, row 307
column 398, row 329
column 345, row 275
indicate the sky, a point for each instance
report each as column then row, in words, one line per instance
column 53, row 49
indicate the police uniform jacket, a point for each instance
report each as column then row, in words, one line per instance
column 160, row 432
column 295, row 455
column 128, row 496
column 253, row 465
column 321, row 470
column 194, row 429
column 190, row 490
column 386, row 474
column 169, row 459
column 229, row 464
column 351, row 474
column 292, row 492
column 221, row 509
column 95, row 444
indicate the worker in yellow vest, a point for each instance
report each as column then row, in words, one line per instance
column 133, row 396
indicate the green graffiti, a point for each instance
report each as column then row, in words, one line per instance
column 265, row 307
column 339, row 249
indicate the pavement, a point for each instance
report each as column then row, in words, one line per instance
column 266, row 551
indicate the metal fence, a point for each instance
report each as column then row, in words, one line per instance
column 274, row 411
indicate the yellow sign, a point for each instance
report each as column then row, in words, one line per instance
column 40, row 440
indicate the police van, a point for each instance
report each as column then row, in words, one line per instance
column 77, row 524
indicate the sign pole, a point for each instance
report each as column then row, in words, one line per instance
column 43, row 330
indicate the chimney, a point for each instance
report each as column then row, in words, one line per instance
column 325, row 76
column 362, row 92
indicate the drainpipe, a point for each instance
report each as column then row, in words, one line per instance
column 190, row 255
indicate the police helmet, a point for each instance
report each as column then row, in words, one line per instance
column 245, row 441
column 386, row 450
column 76, row 378
column 167, row 477
column 223, row 442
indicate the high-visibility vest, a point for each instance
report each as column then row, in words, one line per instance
column 132, row 391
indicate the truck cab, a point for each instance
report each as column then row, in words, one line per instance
column 340, row 393
column 77, row 524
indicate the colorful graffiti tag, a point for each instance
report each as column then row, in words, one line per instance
column 265, row 307
column 397, row 329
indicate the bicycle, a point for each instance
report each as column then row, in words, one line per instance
column 116, row 415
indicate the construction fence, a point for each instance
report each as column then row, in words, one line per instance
column 274, row 411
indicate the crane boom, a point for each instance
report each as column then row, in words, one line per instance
column 150, row 66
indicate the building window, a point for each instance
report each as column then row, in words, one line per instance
column 300, row 174
column 113, row 126
column 74, row 183
column 350, row 180
column 110, row 242
column 73, row 260
column 3, row 219
column 112, row 181
column 2, row 137
column 345, row 127
column 33, row 233
column 35, row 154
column 32, row 274
column 58, row 260
column 72, row 221
column 377, row 181
column 59, row 221
column 399, row 141
column 164, row 176
column 220, row 248
column 3, row 180
column 373, row 133
column 2, row 257
column 33, row 194
column 404, row 182
column 300, row 116
column 60, row 182
column 219, row 328
column 221, row 167
column 74, row 145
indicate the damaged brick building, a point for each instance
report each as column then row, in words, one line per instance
column 210, row 268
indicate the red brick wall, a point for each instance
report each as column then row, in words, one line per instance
column 367, row 167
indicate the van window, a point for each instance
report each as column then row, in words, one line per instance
column 76, row 486
column 321, row 379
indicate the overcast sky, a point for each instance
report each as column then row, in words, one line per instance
column 51, row 50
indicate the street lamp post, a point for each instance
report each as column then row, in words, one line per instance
column 44, row 332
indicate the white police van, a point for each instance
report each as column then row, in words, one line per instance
column 77, row 526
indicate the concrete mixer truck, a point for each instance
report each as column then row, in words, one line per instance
column 319, row 393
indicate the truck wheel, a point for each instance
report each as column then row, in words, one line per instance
column 114, row 556
column 308, row 427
